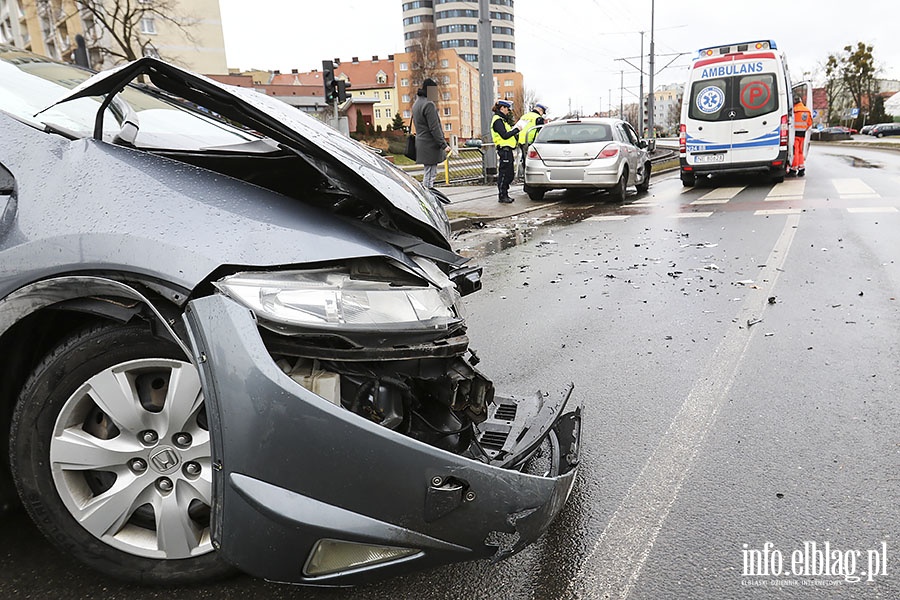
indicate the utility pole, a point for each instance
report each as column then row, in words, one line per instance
column 486, row 86
column 650, row 98
column 621, row 94
column 641, row 90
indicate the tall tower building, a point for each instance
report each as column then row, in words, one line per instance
column 455, row 24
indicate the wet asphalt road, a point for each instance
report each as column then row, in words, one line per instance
column 738, row 371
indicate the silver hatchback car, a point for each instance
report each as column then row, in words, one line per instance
column 587, row 153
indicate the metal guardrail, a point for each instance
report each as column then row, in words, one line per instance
column 466, row 165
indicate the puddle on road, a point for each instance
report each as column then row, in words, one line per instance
column 478, row 241
column 858, row 162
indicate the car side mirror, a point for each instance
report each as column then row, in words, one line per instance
column 642, row 144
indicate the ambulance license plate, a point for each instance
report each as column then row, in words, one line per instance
column 709, row 158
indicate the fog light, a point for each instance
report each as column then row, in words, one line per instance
column 334, row 556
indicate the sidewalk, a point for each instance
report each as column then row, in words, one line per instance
column 473, row 203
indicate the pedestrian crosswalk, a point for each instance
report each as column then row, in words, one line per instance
column 793, row 196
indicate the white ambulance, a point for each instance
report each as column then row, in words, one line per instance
column 737, row 113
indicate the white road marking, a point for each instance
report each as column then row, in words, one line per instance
column 853, row 188
column 778, row 211
column 722, row 193
column 711, row 201
column 873, row 209
column 612, row 567
column 608, row 218
column 791, row 189
column 694, row 215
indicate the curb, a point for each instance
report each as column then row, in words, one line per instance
column 461, row 223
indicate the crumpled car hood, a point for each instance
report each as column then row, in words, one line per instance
column 347, row 165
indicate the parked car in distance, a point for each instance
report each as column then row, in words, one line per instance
column 830, row 134
column 233, row 339
column 866, row 129
column 592, row 153
column 883, row 129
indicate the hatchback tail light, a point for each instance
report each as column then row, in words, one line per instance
column 533, row 154
column 609, row 152
column 682, row 139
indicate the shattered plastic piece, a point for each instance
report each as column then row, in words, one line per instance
column 772, row 300
column 752, row 322
column 769, row 334
column 744, row 282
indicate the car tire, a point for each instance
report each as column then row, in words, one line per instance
column 688, row 180
column 778, row 177
column 89, row 472
column 617, row 192
column 535, row 194
column 644, row 185
column 879, row 135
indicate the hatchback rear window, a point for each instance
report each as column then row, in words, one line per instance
column 575, row 133
column 734, row 98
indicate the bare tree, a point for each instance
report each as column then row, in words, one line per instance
column 122, row 30
column 425, row 60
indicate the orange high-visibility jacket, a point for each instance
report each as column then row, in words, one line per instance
column 802, row 119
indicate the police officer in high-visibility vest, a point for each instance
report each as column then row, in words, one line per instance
column 802, row 124
column 505, row 139
column 530, row 121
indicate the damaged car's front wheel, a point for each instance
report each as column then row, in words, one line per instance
column 111, row 454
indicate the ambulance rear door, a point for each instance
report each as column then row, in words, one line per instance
column 736, row 104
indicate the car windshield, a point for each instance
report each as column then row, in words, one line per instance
column 575, row 133
column 29, row 84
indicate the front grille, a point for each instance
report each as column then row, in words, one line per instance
column 494, row 439
column 506, row 412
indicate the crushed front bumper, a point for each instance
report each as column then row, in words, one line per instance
column 296, row 476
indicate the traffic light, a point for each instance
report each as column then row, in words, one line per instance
column 328, row 80
column 342, row 93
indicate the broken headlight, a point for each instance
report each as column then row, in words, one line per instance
column 331, row 298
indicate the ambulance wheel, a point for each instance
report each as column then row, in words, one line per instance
column 688, row 180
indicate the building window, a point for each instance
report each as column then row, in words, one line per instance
column 148, row 25
column 378, row 95
column 405, row 114
column 445, row 63
column 387, row 113
column 381, row 77
column 377, row 113
column 404, row 82
column 445, row 96
column 446, row 111
column 404, row 66
column 445, row 79
column 387, row 94
column 509, row 95
column 509, row 83
column 406, row 97
column 448, row 127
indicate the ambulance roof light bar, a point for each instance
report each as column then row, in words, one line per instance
column 732, row 48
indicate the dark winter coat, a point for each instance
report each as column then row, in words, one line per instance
column 430, row 141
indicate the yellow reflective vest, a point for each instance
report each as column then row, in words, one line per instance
column 510, row 142
column 527, row 134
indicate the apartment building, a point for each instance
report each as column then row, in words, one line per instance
column 49, row 27
column 455, row 24
column 458, row 86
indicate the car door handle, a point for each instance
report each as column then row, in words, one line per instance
column 742, row 131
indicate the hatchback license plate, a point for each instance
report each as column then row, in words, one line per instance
column 709, row 158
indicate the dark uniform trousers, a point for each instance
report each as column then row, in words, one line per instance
column 505, row 170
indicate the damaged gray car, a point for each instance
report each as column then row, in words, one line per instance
column 233, row 340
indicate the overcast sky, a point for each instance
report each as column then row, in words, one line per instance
column 569, row 50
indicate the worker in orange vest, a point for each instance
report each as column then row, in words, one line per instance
column 802, row 124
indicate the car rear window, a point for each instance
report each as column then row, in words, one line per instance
column 733, row 98
column 575, row 133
